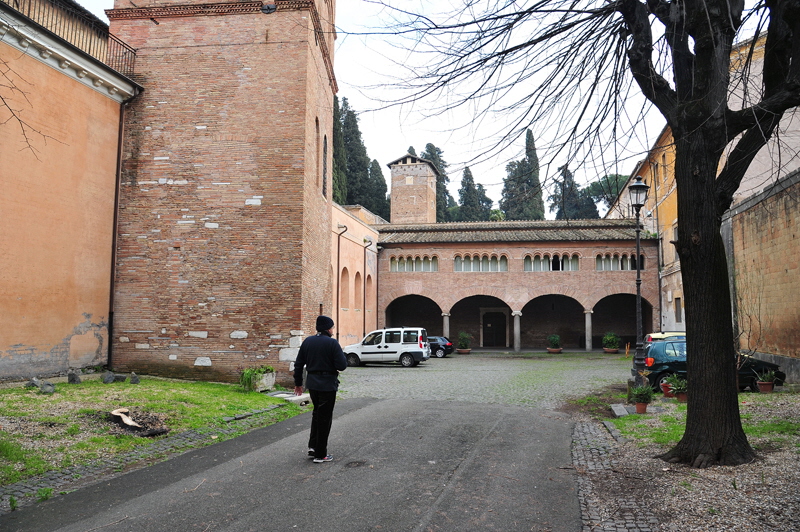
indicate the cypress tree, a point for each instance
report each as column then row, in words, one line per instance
column 339, row 172
column 522, row 191
column 434, row 155
column 357, row 159
column 379, row 203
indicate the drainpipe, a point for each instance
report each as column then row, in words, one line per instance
column 368, row 242
column 338, row 273
column 120, row 134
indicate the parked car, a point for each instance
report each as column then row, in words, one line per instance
column 406, row 345
column 441, row 346
column 668, row 357
column 658, row 336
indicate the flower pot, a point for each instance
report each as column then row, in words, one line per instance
column 641, row 408
column 607, row 350
column 766, row 387
column 554, row 349
column 682, row 397
column 264, row 382
column 667, row 390
column 463, row 351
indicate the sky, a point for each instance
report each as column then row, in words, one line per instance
column 365, row 68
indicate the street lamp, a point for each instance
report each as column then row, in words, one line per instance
column 638, row 192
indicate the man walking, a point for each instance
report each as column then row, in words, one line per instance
column 323, row 358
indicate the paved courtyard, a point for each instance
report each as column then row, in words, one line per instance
column 534, row 379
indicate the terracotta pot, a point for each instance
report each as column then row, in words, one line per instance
column 766, row 387
column 554, row 349
column 607, row 350
column 682, row 397
column 463, row 351
column 641, row 408
column 667, row 389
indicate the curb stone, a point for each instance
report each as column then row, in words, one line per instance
column 593, row 448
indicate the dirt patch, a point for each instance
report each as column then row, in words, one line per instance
column 596, row 405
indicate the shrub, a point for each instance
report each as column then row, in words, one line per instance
column 611, row 341
column 554, row 341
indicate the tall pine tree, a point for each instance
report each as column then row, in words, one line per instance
column 339, row 157
column 378, row 202
column 522, row 191
column 474, row 205
column 434, row 155
column 358, row 187
column 569, row 201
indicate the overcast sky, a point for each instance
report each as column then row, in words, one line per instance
column 364, row 67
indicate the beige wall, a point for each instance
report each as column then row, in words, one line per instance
column 58, row 211
column 355, row 286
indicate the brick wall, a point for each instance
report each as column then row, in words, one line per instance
column 413, row 193
column 223, row 245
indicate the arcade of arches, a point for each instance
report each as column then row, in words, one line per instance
column 574, row 279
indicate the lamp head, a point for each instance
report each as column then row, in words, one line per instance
column 638, row 191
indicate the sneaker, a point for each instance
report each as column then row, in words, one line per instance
column 328, row 458
column 310, row 452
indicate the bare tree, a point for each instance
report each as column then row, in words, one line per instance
column 575, row 69
column 13, row 98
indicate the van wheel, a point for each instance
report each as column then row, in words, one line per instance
column 353, row 360
column 406, row 360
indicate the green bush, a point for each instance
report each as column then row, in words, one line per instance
column 611, row 341
column 642, row 394
column 554, row 341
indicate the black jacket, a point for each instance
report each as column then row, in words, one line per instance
column 323, row 357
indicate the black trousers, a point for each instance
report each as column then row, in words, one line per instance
column 321, row 420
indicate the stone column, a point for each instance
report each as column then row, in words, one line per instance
column 446, row 324
column 588, row 321
column 517, row 341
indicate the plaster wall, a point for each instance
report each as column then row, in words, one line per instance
column 58, row 212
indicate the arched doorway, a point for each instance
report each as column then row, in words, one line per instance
column 415, row 311
column 486, row 318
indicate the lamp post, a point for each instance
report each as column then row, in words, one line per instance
column 638, row 191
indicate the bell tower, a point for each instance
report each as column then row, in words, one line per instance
column 413, row 190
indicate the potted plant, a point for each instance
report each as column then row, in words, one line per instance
column 258, row 379
column 611, row 343
column 464, row 341
column 554, row 343
column 667, row 383
column 641, row 395
column 679, row 387
column 765, row 380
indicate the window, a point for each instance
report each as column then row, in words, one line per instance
column 392, row 337
column 344, row 285
column 410, row 337
column 373, row 338
column 414, row 264
column 678, row 311
column 325, row 166
column 476, row 263
column 675, row 239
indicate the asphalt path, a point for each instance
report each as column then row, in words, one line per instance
column 400, row 463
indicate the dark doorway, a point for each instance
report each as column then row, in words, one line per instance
column 494, row 329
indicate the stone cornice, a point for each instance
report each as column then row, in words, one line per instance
column 232, row 8
column 53, row 51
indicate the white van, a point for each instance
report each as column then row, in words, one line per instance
column 406, row 345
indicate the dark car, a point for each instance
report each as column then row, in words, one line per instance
column 440, row 346
column 668, row 357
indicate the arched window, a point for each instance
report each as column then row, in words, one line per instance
column 458, row 264
column 393, row 264
column 401, row 264
column 485, row 264
column 344, row 289
column 598, row 263
column 556, row 262
column 615, row 263
column 418, row 264
column 503, row 263
column 325, row 166
column 358, row 300
column 435, row 264
column 493, row 266
column 527, row 264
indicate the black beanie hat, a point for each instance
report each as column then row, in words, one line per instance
column 324, row 323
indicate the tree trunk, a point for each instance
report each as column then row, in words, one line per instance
column 714, row 433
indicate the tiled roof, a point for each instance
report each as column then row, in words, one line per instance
column 508, row 231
